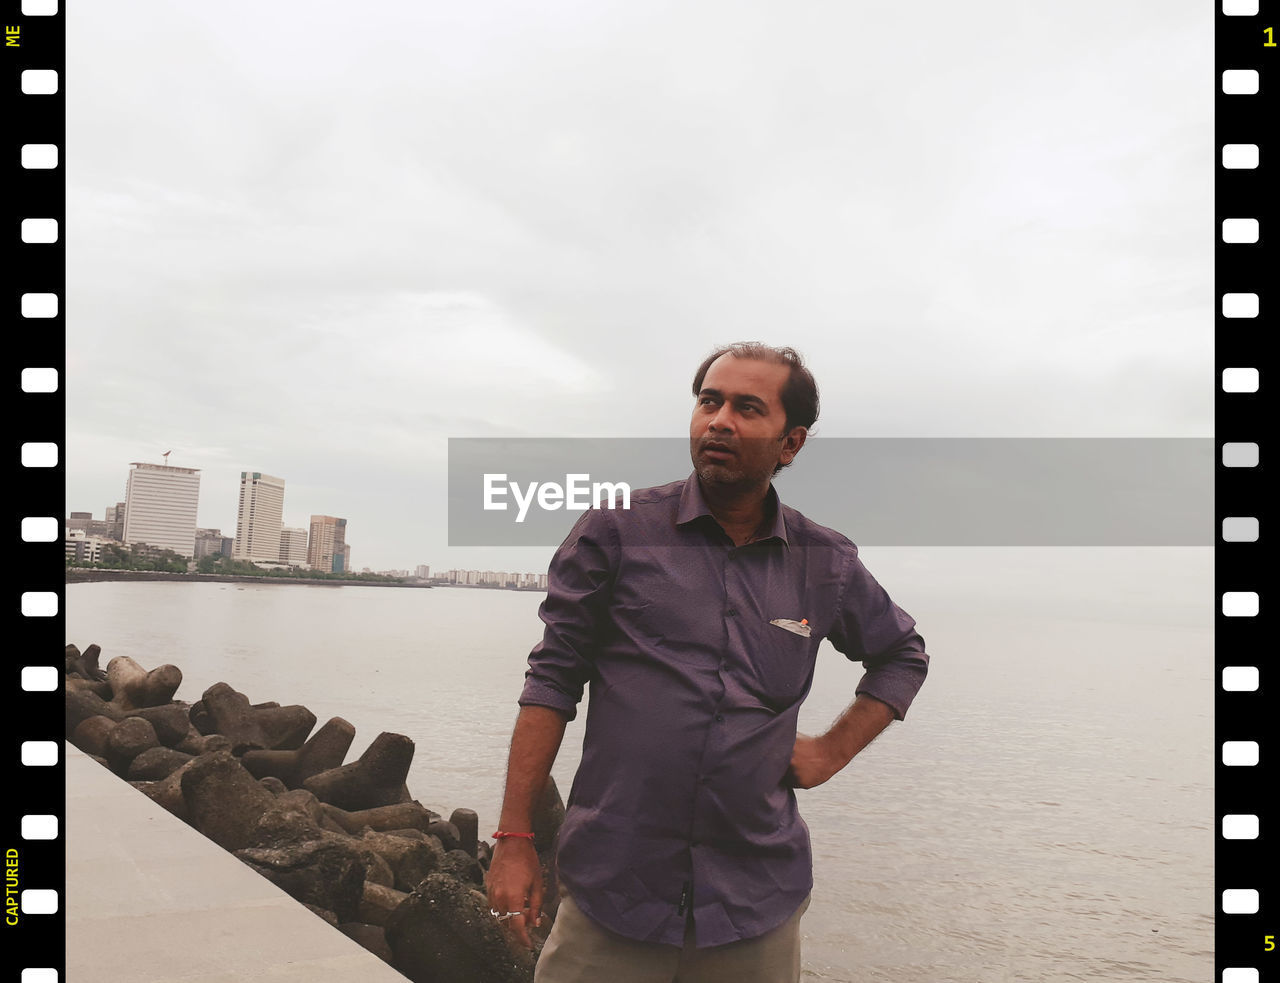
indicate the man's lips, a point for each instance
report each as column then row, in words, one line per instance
column 718, row 450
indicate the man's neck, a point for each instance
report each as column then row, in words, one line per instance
column 740, row 511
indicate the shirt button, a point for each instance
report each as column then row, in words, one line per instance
column 719, row 718
column 731, row 613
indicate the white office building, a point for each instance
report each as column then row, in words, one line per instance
column 160, row 507
column 293, row 546
column 260, row 518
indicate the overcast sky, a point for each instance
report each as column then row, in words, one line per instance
column 319, row 240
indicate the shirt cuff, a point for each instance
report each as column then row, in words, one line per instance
column 541, row 695
column 896, row 688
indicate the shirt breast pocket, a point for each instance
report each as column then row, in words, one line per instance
column 783, row 662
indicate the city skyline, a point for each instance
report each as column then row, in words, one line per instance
column 161, row 510
column 200, row 523
column 83, row 530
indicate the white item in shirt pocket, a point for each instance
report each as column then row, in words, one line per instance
column 795, row 627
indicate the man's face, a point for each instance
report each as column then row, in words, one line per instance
column 738, row 432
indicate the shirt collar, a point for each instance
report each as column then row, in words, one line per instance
column 693, row 505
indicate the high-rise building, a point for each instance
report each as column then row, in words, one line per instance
column 259, row 518
column 115, row 520
column 160, row 507
column 293, row 546
column 422, row 572
column 346, row 557
column 326, row 548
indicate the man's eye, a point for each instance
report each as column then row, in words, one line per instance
column 705, row 401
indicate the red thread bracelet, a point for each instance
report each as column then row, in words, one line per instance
column 500, row 835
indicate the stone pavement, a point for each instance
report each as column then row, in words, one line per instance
column 150, row 900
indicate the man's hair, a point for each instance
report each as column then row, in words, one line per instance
column 799, row 393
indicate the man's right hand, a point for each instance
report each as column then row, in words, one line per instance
column 514, row 883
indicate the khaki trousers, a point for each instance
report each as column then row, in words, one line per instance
column 579, row 950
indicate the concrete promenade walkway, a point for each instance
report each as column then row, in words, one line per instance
column 150, row 900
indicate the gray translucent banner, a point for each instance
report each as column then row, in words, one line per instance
column 877, row 491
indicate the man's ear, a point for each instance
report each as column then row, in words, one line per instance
column 792, row 441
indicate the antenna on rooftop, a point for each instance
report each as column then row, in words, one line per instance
column 165, row 455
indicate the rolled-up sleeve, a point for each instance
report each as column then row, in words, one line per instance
column 871, row 629
column 575, row 613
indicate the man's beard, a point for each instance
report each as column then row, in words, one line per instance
column 725, row 474
column 731, row 473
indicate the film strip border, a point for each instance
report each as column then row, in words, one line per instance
column 1246, row 149
column 35, row 121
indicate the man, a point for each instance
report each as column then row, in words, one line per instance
column 696, row 616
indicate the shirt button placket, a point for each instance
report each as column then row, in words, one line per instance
column 730, row 611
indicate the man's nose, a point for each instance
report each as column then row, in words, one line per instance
column 722, row 419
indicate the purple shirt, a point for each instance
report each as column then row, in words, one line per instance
column 679, row 804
